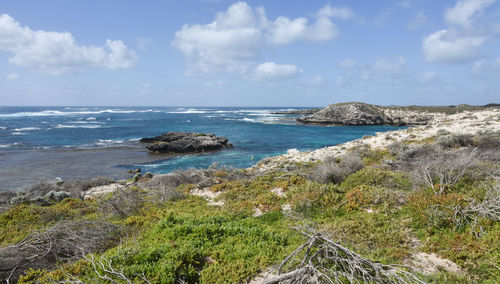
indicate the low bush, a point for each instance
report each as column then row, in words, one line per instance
column 455, row 141
column 122, row 203
column 56, row 196
column 374, row 176
column 312, row 197
column 17, row 222
column 64, row 242
column 373, row 197
column 209, row 249
column 444, row 169
column 336, row 170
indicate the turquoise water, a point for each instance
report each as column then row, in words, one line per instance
column 74, row 142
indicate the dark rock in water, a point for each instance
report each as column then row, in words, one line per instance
column 365, row 114
column 298, row 112
column 138, row 170
column 185, row 142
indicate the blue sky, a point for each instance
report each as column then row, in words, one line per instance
column 253, row 53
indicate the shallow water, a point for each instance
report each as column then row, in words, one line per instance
column 81, row 142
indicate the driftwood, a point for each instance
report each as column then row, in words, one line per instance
column 322, row 260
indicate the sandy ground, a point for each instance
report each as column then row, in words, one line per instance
column 209, row 195
column 100, row 190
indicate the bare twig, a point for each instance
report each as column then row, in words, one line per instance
column 322, row 260
column 106, row 266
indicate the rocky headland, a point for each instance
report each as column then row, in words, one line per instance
column 470, row 122
column 355, row 113
column 185, row 142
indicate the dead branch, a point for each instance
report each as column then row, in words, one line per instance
column 444, row 169
column 471, row 213
column 322, row 260
column 109, row 273
column 64, row 242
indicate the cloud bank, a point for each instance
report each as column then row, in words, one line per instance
column 57, row 53
column 235, row 39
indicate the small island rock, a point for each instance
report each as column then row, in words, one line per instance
column 185, row 142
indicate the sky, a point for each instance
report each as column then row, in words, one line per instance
column 249, row 53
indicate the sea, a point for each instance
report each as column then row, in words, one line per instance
column 43, row 143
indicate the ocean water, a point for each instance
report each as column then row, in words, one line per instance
column 81, row 142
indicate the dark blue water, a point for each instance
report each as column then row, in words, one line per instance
column 103, row 140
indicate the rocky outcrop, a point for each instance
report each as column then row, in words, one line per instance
column 185, row 142
column 366, row 114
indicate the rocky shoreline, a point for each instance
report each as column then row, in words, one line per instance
column 467, row 122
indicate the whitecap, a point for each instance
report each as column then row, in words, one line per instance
column 86, row 122
column 191, row 110
column 26, row 129
column 107, row 142
column 248, row 119
column 3, row 127
column 77, row 126
column 59, row 113
column 91, row 118
column 18, row 133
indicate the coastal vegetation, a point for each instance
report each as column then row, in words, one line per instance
column 421, row 210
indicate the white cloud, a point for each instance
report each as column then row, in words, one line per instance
column 382, row 18
column 348, row 63
column 57, row 52
column 143, row 42
column 486, row 69
column 227, row 43
column 388, row 72
column 404, row 4
column 343, row 13
column 429, row 76
column 461, row 14
column 446, row 46
column 388, row 65
column 218, row 83
column 417, row 21
column 317, row 80
column 461, row 43
column 273, row 71
column 12, row 76
column 236, row 37
column 285, row 31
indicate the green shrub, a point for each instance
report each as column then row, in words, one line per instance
column 212, row 249
column 56, row 196
column 137, row 177
column 373, row 176
column 311, row 197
